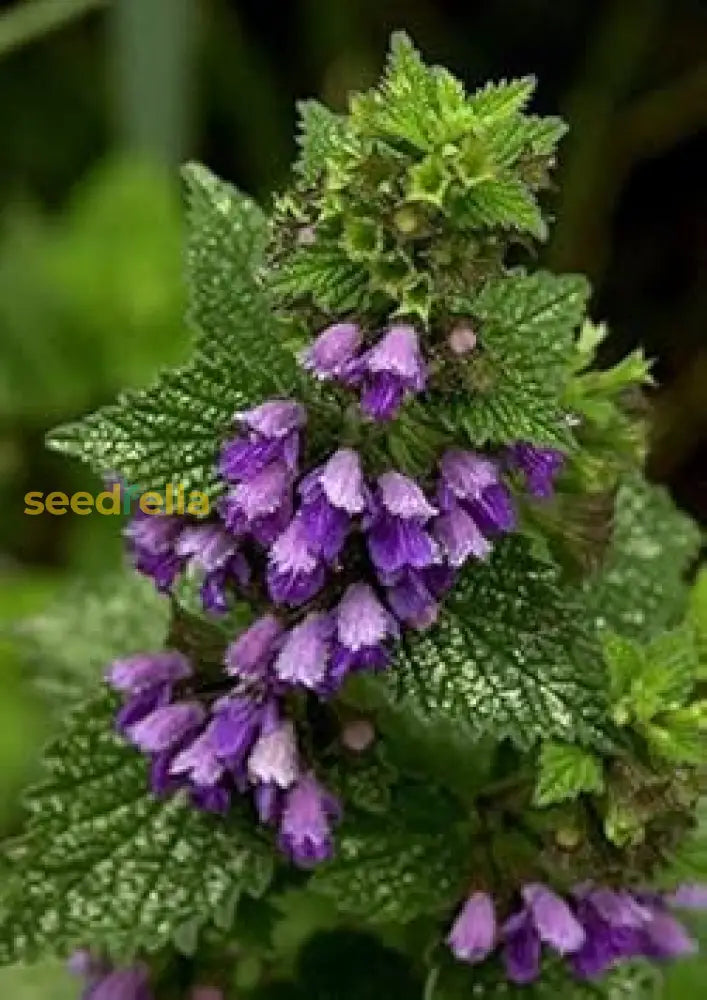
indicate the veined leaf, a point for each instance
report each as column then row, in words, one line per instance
column 566, row 771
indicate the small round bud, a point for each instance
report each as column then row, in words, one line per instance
column 306, row 236
column 568, row 838
column 358, row 735
column 407, row 220
column 462, row 340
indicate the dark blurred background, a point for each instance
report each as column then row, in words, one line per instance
column 99, row 103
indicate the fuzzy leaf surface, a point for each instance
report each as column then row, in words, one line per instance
column 104, row 862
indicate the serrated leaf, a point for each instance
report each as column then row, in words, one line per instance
column 334, row 282
column 668, row 675
column 503, row 202
column 170, row 433
column 103, row 861
column 625, row 660
column 321, row 132
column 526, row 333
column 386, row 873
column 512, row 656
column 498, row 100
column 566, row 772
column 641, row 590
column 68, row 646
column 698, row 618
column 510, row 138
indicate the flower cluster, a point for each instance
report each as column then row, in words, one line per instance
column 384, row 374
column 594, row 929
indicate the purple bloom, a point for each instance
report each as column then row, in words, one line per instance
column 235, row 727
column 206, row 546
column 136, row 674
column 691, row 896
column 553, row 919
column 362, row 627
column 271, row 435
column 414, row 596
column 198, row 760
column 540, row 467
column 216, row 585
column 459, row 536
column 268, row 802
column 332, row 350
column 273, row 759
column 151, row 540
column 665, row 937
column 211, row 799
column 139, row 706
column 131, row 983
column 295, row 574
column 331, row 495
column 304, row 657
column 389, row 371
column 522, row 949
column 260, row 506
column 305, row 830
column 251, row 653
column 166, row 726
column 473, row 934
column 472, row 482
column 397, row 537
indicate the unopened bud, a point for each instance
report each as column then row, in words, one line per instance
column 306, row 236
column 358, row 735
column 462, row 340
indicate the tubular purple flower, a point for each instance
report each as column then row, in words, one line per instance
column 274, row 758
column 459, row 537
column 216, row 585
column 260, row 506
column 294, row 573
column 553, row 919
column 691, row 896
column 304, row 656
column 391, row 370
column 235, row 727
column 473, row 934
column 206, row 546
column 666, row 938
column 272, row 435
column 131, row 983
column 151, row 540
column 139, row 673
column 331, row 495
column 397, row 536
column 522, row 949
column 251, row 653
column 332, row 350
column 166, row 726
column 198, row 760
column 467, row 474
column 402, row 497
column 139, row 706
column 414, row 600
column 540, row 467
column 305, row 826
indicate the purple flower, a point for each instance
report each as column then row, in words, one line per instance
column 212, row 550
column 295, row 574
column 473, row 934
column 459, row 536
column 216, row 585
column 471, row 482
column 305, row 826
column 151, row 540
column 540, row 467
column 260, row 506
column 545, row 918
column 251, row 653
column 666, row 938
column 268, row 802
column 332, row 350
column 199, row 762
column 273, row 759
column 467, row 474
column 414, row 595
column 235, row 727
column 389, row 371
column 304, row 657
column 131, row 983
column 691, row 896
column 136, row 674
column 331, row 496
column 166, row 726
column 139, row 706
column 271, row 435
column 362, row 627
column 397, row 537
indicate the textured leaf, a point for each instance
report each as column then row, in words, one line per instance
column 566, row 771
column 104, row 862
column 321, row 133
column 503, row 202
column 69, row 645
column 698, row 618
column 170, row 433
column 518, row 134
column 498, row 100
column 526, row 332
column 512, row 656
column 641, row 590
column 383, row 872
column 334, row 282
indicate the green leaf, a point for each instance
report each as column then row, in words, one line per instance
column 566, row 771
column 641, row 590
column 170, row 433
column 321, row 133
column 496, row 101
column 698, row 618
column 103, row 861
column 668, row 676
column 510, row 138
column 513, row 656
column 526, row 335
column 625, row 660
column 69, row 645
column 325, row 274
column 503, row 202
column 386, row 873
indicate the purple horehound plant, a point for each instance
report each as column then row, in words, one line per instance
column 428, row 679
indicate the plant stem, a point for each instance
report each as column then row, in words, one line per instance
column 26, row 22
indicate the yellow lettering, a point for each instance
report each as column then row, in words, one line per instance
column 151, row 503
column 34, row 504
column 198, row 504
column 111, row 497
column 81, row 503
column 57, row 503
